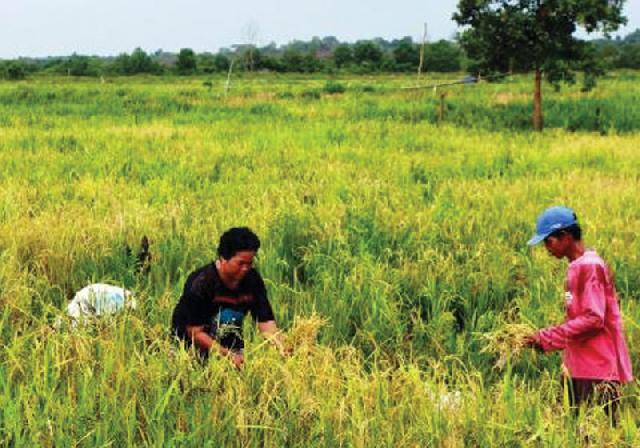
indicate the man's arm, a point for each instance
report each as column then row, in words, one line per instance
column 202, row 339
column 590, row 318
column 269, row 331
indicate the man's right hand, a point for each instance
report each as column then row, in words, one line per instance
column 237, row 359
column 533, row 341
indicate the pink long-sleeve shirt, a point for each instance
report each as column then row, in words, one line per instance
column 592, row 334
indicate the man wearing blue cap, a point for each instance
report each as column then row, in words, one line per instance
column 595, row 358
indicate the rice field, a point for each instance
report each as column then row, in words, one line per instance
column 394, row 252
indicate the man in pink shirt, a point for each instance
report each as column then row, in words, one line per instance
column 596, row 358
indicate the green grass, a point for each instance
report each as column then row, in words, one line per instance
column 407, row 235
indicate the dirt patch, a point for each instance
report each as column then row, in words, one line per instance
column 265, row 95
column 505, row 98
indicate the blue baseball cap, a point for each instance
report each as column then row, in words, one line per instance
column 551, row 220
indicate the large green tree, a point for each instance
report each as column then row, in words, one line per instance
column 443, row 56
column 13, row 70
column 367, row 54
column 406, row 56
column 138, row 62
column 633, row 37
column 186, row 63
column 343, row 55
column 629, row 56
column 534, row 35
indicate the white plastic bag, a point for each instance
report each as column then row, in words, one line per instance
column 99, row 299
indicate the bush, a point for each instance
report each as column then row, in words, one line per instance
column 285, row 95
column 310, row 94
column 186, row 63
column 333, row 87
column 14, row 71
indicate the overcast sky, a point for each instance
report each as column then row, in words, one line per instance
column 110, row 27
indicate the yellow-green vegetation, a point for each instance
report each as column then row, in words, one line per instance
column 507, row 341
column 394, row 249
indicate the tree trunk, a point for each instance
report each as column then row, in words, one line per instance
column 537, row 102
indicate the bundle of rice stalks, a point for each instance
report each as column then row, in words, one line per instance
column 304, row 331
column 507, row 342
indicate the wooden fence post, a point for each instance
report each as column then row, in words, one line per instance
column 441, row 115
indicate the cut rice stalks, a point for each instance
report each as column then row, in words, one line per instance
column 304, row 331
column 506, row 342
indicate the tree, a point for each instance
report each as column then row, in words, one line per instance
column 254, row 59
column 77, row 65
column 221, row 62
column 629, row 56
column 329, row 43
column 608, row 52
column 367, row 54
column 251, row 32
column 138, row 62
column 122, row 64
column 310, row 63
column 534, row 35
column 296, row 61
column 633, row 37
column 14, row 70
column 271, row 63
column 186, row 63
column 141, row 62
column 406, row 56
column 292, row 60
column 443, row 56
column 206, row 62
column 342, row 55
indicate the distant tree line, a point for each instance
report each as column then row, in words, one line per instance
column 326, row 54
column 620, row 52
column 317, row 55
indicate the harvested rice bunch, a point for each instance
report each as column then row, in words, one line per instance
column 304, row 331
column 507, row 341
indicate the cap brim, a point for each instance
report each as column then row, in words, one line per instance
column 537, row 239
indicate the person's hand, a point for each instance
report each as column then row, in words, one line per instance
column 286, row 351
column 534, row 342
column 237, row 359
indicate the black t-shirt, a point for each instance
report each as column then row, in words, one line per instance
column 207, row 301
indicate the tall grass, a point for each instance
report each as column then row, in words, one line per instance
column 407, row 236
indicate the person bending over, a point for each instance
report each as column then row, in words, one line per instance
column 218, row 296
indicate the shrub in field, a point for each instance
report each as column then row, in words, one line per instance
column 187, row 62
column 285, row 95
column 332, row 87
column 13, row 71
column 310, row 94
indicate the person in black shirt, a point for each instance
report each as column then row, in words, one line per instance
column 217, row 297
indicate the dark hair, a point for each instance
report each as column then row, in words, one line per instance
column 237, row 239
column 574, row 230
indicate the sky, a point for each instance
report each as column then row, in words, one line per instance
column 36, row 28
